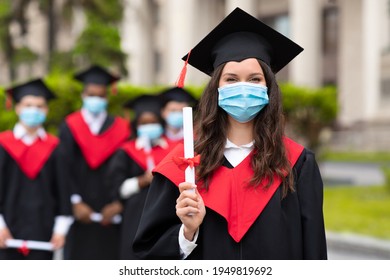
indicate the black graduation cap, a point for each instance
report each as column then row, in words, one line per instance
column 35, row 87
column 240, row 36
column 144, row 103
column 96, row 75
column 176, row 94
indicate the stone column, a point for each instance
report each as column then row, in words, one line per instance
column 249, row 6
column 305, row 21
column 350, row 93
column 180, row 19
column 137, row 42
column 371, row 32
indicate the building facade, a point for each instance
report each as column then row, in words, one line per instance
column 345, row 42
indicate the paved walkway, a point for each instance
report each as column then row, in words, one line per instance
column 351, row 173
column 346, row 246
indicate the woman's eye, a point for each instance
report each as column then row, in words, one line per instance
column 230, row 80
column 255, row 80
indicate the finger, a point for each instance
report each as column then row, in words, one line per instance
column 187, row 195
column 187, row 202
column 185, row 212
column 186, row 186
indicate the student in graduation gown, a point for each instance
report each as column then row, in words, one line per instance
column 174, row 99
column 90, row 137
column 130, row 168
column 259, row 194
column 34, row 202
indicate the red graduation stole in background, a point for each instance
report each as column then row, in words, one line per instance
column 30, row 159
column 139, row 155
column 97, row 148
column 228, row 194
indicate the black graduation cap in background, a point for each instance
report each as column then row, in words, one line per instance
column 176, row 94
column 96, row 75
column 35, row 87
column 240, row 36
column 145, row 103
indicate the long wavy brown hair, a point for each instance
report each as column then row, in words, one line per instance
column 269, row 156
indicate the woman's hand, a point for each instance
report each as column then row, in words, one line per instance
column 145, row 179
column 190, row 209
column 109, row 211
column 4, row 235
column 58, row 241
column 82, row 212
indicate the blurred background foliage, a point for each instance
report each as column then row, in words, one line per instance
column 103, row 18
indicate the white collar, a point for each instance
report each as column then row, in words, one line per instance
column 140, row 143
column 94, row 122
column 231, row 145
column 236, row 154
column 20, row 133
column 174, row 136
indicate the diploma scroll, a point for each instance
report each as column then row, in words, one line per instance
column 97, row 217
column 188, row 133
column 29, row 244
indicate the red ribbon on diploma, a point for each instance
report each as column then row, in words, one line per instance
column 24, row 249
column 183, row 163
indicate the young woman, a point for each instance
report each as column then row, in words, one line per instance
column 130, row 169
column 258, row 193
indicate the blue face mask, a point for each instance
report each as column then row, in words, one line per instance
column 242, row 101
column 152, row 131
column 175, row 119
column 95, row 104
column 32, row 116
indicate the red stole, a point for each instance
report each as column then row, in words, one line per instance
column 228, row 194
column 97, row 148
column 139, row 155
column 30, row 159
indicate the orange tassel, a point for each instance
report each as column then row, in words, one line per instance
column 182, row 76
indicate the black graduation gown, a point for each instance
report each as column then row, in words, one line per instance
column 28, row 205
column 289, row 228
column 88, row 241
column 123, row 166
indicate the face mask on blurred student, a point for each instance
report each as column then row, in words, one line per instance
column 175, row 119
column 150, row 131
column 242, row 100
column 32, row 116
column 95, row 104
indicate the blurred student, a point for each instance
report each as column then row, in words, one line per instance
column 90, row 137
column 34, row 201
column 130, row 168
column 174, row 99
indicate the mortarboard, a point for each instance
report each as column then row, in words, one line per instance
column 96, row 75
column 35, row 87
column 145, row 103
column 240, row 36
column 176, row 94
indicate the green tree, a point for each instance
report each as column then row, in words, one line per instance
column 309, row 110
column 14, row 12
column 100, row 41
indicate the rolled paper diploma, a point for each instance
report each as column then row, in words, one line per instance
column 30, row 244
column 97, row 217
column 188, row 135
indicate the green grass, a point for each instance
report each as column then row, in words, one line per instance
column 371, row 157
column 360, row 210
